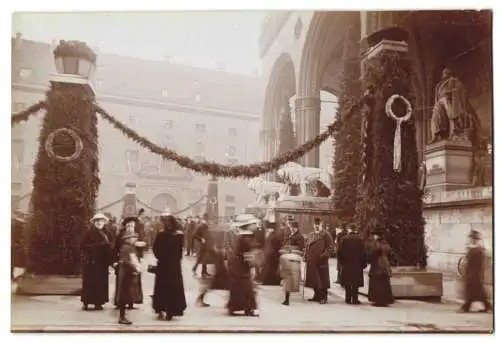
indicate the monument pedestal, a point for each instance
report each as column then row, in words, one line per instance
column 29, row 284
column 412, row 283
column 449, row 164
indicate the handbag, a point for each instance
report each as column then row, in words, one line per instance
column 152, row 269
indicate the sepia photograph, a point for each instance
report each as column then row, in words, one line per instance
column 252, row 171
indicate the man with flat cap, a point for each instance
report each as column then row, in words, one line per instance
column 318, row 250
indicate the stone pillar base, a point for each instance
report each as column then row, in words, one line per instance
column 412, row 283
column 449, row 164
column 49, row 285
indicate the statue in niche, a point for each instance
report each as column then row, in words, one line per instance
column 452, row 115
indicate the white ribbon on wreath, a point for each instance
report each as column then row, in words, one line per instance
column 396, row 164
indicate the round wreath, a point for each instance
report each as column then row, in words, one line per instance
column 390, row 113
column 49, row 145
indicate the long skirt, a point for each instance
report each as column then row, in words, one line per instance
column 270, row 272
column 241, row 295
column 380, row 290
column 221, row 279
column 135, row 295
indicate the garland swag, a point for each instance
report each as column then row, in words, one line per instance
column 392, row 200
column 220, row 170
column 27, row 113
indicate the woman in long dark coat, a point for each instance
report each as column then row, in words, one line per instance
column 169, row 299
column 96, row 248
column 241, row 292
column 270, row 272
column 379, row 287
column 221, row 279
column 128, row 224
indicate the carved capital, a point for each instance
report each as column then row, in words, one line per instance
column 308, row 103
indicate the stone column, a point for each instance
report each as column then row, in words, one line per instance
column 212, row 202
column 130, row 200
column 308, row 120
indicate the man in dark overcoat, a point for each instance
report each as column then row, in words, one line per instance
column 352, row 256
column 190, row 227
column 141, row 231
column 339, row 238
column 203, row 236
column 318, row 251
column 474, row 287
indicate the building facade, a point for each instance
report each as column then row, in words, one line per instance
column 201, row 113
column 301, row 54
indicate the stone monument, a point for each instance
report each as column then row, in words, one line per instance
column 454, row 125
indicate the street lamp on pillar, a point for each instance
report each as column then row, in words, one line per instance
column 75, row 63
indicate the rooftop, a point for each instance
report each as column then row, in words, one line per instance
column 148, row 80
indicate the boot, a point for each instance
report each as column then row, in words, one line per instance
column 124, row 320
column 200, row 301
column 286, row 302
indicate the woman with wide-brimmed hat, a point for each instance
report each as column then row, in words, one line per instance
column 169, row 299
column 97, row 258
column 129, row 270
column 128, row 226
column 379, row 284
column 241, row 288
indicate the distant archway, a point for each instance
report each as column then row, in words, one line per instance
column 163, row 201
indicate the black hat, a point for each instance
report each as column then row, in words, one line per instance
column 295, row 225
column 317, row 220
column 379, row 232
column 474, row 234
column 289, row 218
column 129, row 219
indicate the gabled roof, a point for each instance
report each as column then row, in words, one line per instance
column 152, row 80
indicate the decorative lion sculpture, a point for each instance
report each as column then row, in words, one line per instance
column 295, row 174
column 267, row 189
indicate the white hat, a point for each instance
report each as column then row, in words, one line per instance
column 244, row 232
column 245, row 219
column 166, row 212
column 99, row 216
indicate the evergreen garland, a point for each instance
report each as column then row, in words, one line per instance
column 347, row 140
column 393, row 200
column 64, row 193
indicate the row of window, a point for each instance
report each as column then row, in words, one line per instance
column 199, row 128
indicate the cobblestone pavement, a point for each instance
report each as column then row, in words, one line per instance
column 63, row 313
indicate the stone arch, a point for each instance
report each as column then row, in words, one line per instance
column 164, row 200
column 282, row 85
column 323, row 45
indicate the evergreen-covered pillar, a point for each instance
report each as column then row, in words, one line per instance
column 66, row 178
column 391, row 199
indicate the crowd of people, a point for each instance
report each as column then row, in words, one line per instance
column 254, row 252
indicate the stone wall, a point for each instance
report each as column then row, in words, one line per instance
column 449, row 218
